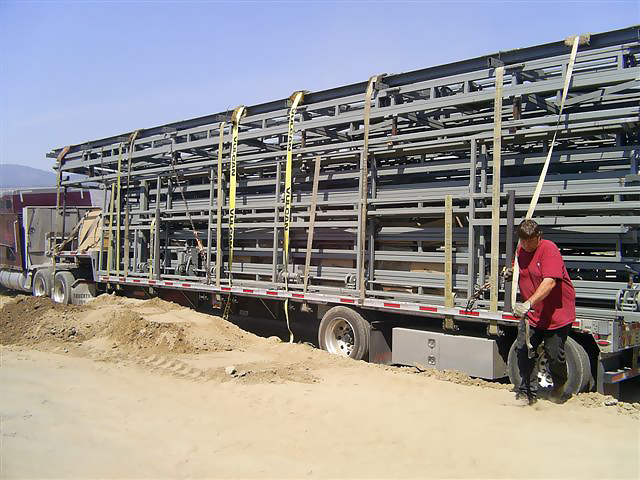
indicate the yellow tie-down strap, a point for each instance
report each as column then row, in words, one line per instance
column 536, row 194
column 364, row 182
column 219, row 205
column 238, row 114
column 296, row 98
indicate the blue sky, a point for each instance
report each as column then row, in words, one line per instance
column 71, row 72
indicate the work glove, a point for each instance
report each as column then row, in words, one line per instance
column 521, row 309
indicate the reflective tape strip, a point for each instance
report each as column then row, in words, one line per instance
column 315, row 297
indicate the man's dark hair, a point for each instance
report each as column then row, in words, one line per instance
column 528, row 229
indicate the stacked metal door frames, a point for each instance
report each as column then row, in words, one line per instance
column 429, row 134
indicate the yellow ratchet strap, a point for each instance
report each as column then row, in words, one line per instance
column 118, row 211
column 59, row 160
column 364, row 183
column 296, row 98
column 110, row 248
column 219, row 206
column 236, row 117
column 495, row 193
column 545, row 167
column 132, row 139
column 152, row 246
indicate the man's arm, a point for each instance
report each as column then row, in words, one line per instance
column 542, row 291
column 545, row 287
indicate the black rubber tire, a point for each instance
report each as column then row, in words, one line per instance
column 334, row 335
column 62, row 284
column 588, row 382
column 41, row 283
column 578, row 367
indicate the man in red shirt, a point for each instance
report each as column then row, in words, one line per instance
column 549, row 307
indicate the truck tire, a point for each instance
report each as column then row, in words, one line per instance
column 41, row 285
column 344, row 332
column 588, row 382
column 62, row 284
column 578, row 368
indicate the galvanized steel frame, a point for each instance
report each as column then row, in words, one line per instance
column 430, row 136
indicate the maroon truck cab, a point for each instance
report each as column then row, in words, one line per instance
column 12, row 233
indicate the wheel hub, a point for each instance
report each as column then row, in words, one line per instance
column 58, row 292
column 544, row 374
column 39, row 289
column 340, row 338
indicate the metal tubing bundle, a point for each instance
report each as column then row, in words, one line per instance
column 370, row 167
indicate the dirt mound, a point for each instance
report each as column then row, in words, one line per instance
column 150, row 325
column 129, row 329
column 22, row 319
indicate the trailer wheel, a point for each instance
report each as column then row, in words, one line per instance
column 578, row 368
column 62, row 283
column 344, row 332
column 41, row 286
column 588, row 381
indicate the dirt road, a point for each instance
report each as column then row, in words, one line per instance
column 125, row 388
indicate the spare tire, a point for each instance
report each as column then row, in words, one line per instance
column 578, row 368
column 345, row 332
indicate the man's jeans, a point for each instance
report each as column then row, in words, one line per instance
column 554, row 341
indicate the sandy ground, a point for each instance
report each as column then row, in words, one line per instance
column 125, row 388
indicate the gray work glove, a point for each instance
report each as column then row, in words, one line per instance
column 521, row 309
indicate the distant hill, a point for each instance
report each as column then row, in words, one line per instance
column 20, row 176
column 16, row 176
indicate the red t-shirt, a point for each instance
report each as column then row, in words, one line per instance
column 559, row 307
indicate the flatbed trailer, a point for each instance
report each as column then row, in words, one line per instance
column 386, row 208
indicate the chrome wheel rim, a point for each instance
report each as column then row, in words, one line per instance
column 340, row 337
column 39, row 287
column 58, row 292
column 544, row 374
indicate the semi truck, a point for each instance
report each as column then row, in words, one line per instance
column 385, row 209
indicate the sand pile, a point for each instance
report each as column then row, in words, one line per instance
column 150, row 325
